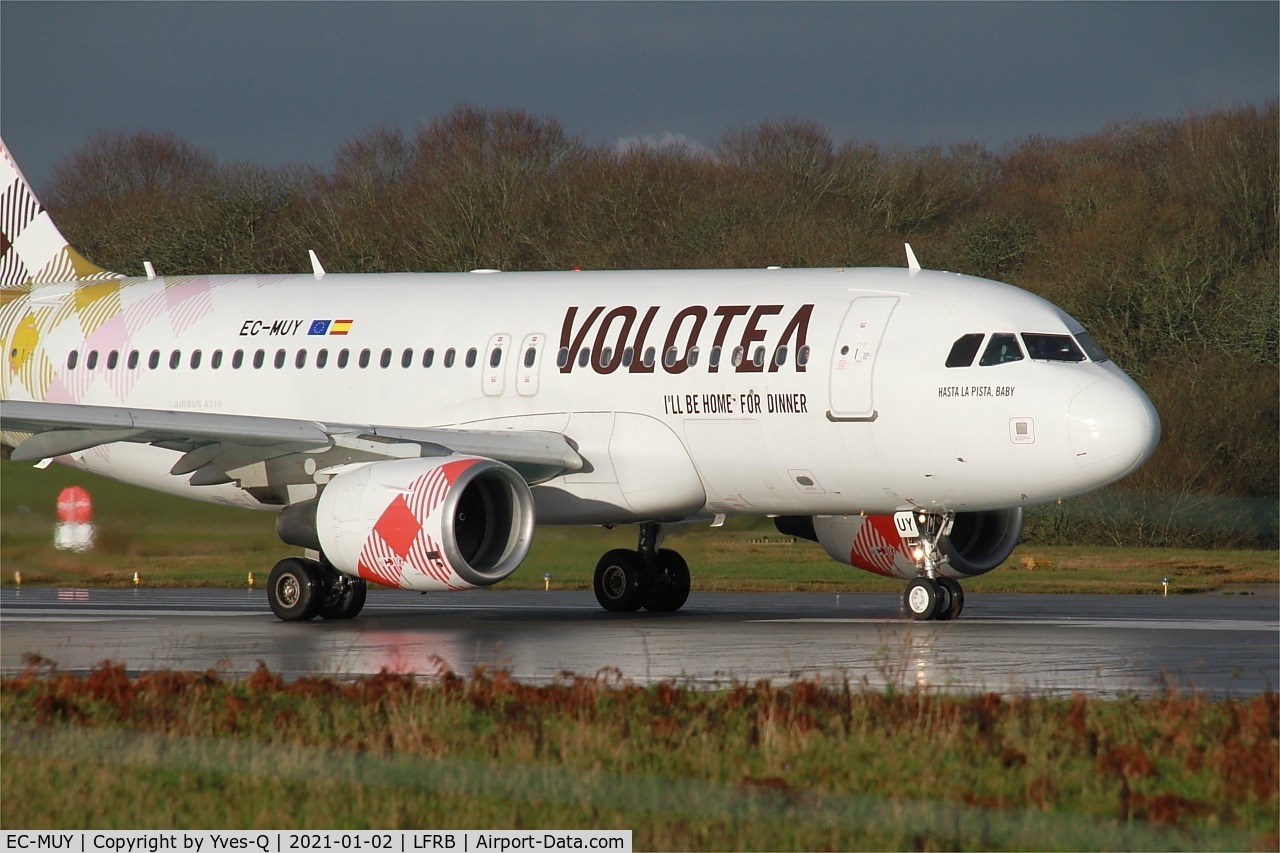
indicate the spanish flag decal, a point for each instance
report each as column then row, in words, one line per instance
column 340, row 327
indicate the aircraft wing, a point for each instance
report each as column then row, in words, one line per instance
column 221, row 448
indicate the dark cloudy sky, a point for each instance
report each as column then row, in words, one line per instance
column 286, row 82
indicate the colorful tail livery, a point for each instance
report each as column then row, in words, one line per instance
column 32, row 250
column 411, row 429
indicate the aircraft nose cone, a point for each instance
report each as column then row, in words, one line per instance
column 1113, row 428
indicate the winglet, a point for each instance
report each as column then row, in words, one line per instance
column 912, row 263
column 316, row 269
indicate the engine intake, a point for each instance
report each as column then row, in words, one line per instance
column 455, row 522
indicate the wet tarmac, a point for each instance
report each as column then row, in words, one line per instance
column 1055, row 644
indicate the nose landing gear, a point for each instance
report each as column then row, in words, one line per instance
column 654, row 578
column 929, row 596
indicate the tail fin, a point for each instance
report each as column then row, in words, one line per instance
column 32, row 249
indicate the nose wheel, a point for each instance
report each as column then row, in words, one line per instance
column 928, row 598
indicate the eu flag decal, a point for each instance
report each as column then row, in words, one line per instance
column 319, row 327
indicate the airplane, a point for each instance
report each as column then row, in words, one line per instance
column 410, row 429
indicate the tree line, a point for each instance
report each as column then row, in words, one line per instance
column 1160, row 236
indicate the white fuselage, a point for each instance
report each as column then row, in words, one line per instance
column 873, row 421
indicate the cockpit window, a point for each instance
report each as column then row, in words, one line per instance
column 964, row 350
column 1051, row 347
column 1090, row 347
column 1002, row 348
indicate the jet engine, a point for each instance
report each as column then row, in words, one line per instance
column 453, row 522
column 976, row 544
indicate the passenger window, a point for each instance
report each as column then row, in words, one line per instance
column 72, row 358
column 738, row 353
column 113, row 359
column 406, row 358
column 154, row 360
column 495, row 357
column 649, row 356
column 363, row 361
column 195, row 359
column 964, row 350
column 758, row 358
column 133, row 359
column 529, row 355
column 1091, row 347
column 1051, row 347
column 300, row 360
column 713, row 360
column 428, row 356
column 215, row 360
column 448, row 357
column 92, row 361
column 693, row 356
column 1002, row 349
column 175, row 359
column 385, row 360
column 802, row 356
column 237, row 359
column 471, row 357
column 322, row 358
column 281, row 355
column 562, row 357
column 584, row 355
column 780, row 356
column 628, row 356
column 606, row 355
column 670, row 358
column 343, row 357
column 259, row 357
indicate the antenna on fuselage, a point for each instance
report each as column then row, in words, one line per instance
column 912, row 263
column 316, row 269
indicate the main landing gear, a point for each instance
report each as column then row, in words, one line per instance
column 930, row 596
column 649, row 577
column 301, row 589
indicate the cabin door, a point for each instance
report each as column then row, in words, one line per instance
column 853, row 358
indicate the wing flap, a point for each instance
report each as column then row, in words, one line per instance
column 58, row 442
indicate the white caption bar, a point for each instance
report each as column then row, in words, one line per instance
column 289, row 841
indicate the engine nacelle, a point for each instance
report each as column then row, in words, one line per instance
column 454, row 522
column 977, row 543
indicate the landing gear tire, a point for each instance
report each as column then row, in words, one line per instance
column 295, row 589
column 669, row 582
column 956, row 602
column 921, row 599
column 619, row 580
column 344, row 597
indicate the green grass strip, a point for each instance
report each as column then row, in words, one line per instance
column 870, row 817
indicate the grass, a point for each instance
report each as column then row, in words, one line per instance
column 811, row 765
column 174, row 542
